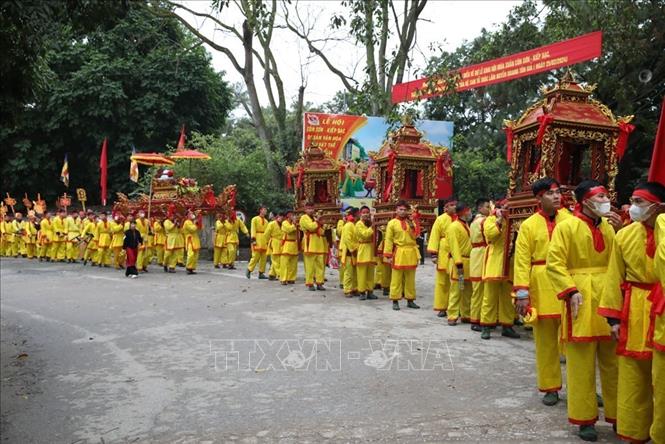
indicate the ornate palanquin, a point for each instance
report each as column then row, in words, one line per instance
column 407, row 167
column 315, row 178
column 567, row 135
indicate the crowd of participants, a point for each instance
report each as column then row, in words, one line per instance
column 587, row 280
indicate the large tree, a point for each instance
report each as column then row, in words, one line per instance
column 135, row 82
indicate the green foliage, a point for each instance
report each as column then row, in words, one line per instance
column 475, row 176
column 236, row 158
column 632, row 41
column 135, row 83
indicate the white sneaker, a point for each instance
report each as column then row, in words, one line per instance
column 133, row 276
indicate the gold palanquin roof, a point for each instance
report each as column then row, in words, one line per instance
column 406, row 142
column 315, row 159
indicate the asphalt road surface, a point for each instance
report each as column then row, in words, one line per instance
column 89, row 356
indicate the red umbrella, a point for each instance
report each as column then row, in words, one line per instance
column 151, row 159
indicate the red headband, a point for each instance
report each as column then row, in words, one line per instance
column 645, row 194
column 593, row 191
column 552, row 187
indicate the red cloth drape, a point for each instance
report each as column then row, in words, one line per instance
column 509, row 143
column 622, row 141
column 103, row 171
column 657, row 168
column 545, row 121
column 181, row 139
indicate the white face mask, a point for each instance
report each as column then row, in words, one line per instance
column 639, row 214
column 600, row 208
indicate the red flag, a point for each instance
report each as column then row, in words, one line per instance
column 181, row 140
column 103, row 167
column 657, row 168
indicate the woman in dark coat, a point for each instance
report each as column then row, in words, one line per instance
column 131, row 245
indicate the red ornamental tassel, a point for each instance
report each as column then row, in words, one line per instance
column 439, row 167
column 622, row 141
column 301, row 174
column 416, row 222
column 391, row 163
column 545, row 121
column 289, row 183
column 509, row 143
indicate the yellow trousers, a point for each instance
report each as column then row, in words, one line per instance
column 634, row 399
column 657, row 431
column 288, row 268
column 476, row 301
column 180, row 255
column 12, row 248
column 441, row 291
column 20, row 245
column 274, row 265
column 90, row 253
column 159, row 253
column 72, row 250
column 365, row 277
column 171, row 257
column 314, row 268
column 386, row 274
column 546, row 341
column 118, row 257
column 403, row 282
column 58, row 250
column 350, row 277
column 260, row 258
column 30, row 250
column 581, row 359
column 231, row 254
column 104, row 255
column 459, row 304
column 144, row 258
column 497, row 304
column 192, row 259
column 341, row 270
column 217, row 256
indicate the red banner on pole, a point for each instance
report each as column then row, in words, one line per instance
column 527, row 63
column 103, row 171
column 330, row 132
column 657, row 167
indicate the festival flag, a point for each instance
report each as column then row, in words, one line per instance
column 134, row 168
column 657, row 170
column 181, row 140
column 64, row 173
column 103, row 170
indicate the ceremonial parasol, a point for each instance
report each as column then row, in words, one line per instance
column 151, row 159
column 189, row 154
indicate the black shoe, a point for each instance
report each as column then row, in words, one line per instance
column 217, row 266
column 85, row 261
column 232, row 267
column 588, row 433
column 551, row 398
column 442, row 314
column 248, row 274
column 190, row 271
column 371, row 295
column 486, row 333
column 508, row 332
column 476, row 327
column 166, row 269
column 311, row 288
column 386, row 291
column 320, row 287
column 341, row 286
column 262, row 276
column 272, row 278
column 412, row 304
column 171, row 270
column 395, row 305
column 363, row 296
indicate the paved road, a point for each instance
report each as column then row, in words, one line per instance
column 89, row 356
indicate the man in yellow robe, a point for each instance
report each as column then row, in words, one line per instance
column 44, row 237
column 146, row 247
column 190, row 229
column 259, row 243
column 18, row 229
column 274, row 236
column 401, row 249
column 314, row 248
column 383, row 270
column 3, row 234
column 59, row 239
column 233, row 226
column 577, row 268
column 349, row 247
column 533, row 288
column 171, row 246
column 626, row 304
column 459, row 244
column 338, row 236
column 219, row 252
column 103, row 241
column 117, row 238
column 476, row 260
column 366, row 256
column 288, row 266
column 30, row 236
column 159, row 240
column 73, row 227
column 89, row 234
column 497, row 306
column 656, row 335
column 437, row 247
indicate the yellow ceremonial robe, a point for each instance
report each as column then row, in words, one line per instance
column 476, row 266
column 103, row 242
column 366, row 256
column 257, row 231
column 58, row 246
column 497, row 304
column 438, row 244
column 657, row 336
column 192, row 243
column 288, row 266
column 274, row 236
column 459, row 244
column 159, row 241
column 232, row 240
column 219, row 255
column 314, row 250
column 349, row 246
column 400, row 245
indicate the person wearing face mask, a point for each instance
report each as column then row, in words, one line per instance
column 459, row 243
column 577, row 263
column 103, row 241
column 401, row 250
column 497, row 304
column 274, row 236
column 626, row 304
column 656, row 335
column 437, row 247
column 533, row 288
column 476, row 257
column 366, row 258
column 191, row 229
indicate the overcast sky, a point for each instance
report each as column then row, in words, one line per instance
column 444, row 24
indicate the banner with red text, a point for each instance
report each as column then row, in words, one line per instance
column 534, row 61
